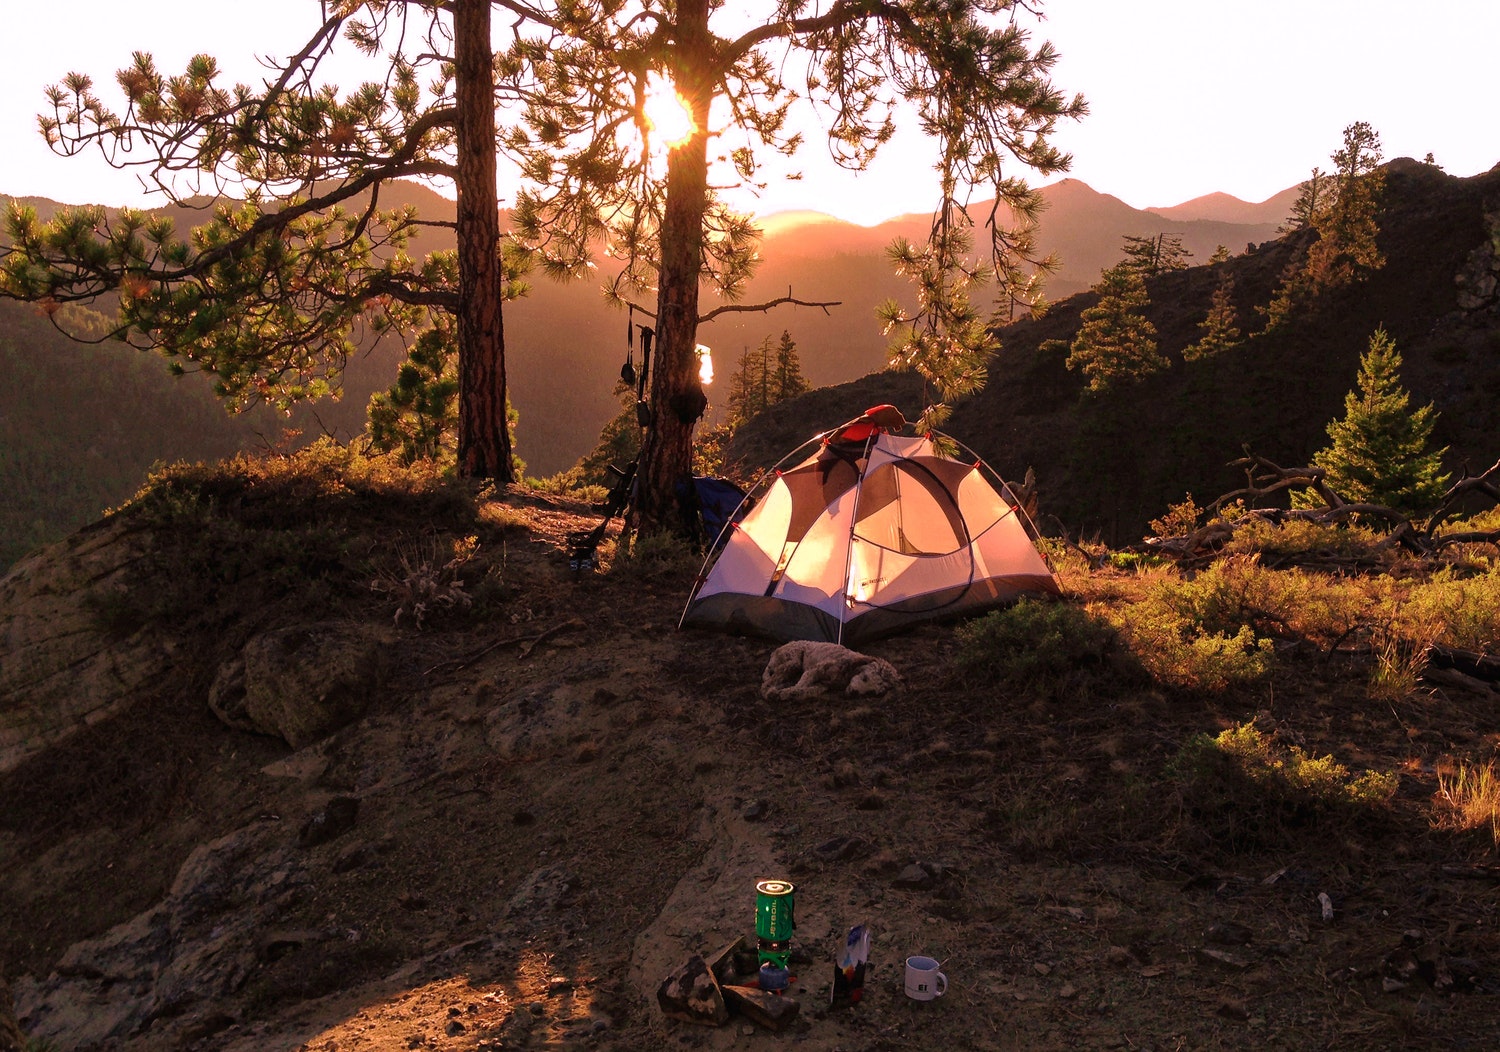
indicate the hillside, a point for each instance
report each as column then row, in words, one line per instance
column 250, row 803
column 1108, row 464
column 565, row 345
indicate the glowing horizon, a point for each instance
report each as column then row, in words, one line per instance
column 1187, row 99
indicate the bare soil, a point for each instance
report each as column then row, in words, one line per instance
column 561, row 798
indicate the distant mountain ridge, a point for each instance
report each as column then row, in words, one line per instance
column 1108, row 464
column 1225, row 208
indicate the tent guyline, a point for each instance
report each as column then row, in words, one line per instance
column 865, row 535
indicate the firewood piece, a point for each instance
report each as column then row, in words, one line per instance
column 692, row 994
column 772, row 1011
column 722, row 962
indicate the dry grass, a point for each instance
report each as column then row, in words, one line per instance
column 1469, row 799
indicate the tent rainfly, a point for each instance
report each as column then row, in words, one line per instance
column 869, row 534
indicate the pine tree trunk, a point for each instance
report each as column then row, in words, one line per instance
column 676, row 395
column 483, row 439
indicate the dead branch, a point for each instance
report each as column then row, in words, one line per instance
column 1264, row 478
column 768, row 305
column 1485, row 483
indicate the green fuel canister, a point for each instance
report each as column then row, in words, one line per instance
column 775, row 920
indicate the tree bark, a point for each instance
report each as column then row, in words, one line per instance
column 483, row 437
column 676, row 395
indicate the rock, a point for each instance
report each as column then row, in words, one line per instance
column 330, row 822
column 842, row 849
column 68, row 661
column 692, row 994
column 1228, row 933
column 1235, row 1010
column 725, row 961
column 771, row 1011
column 181, row 957
column 803, row 669
column 913, row 876
column 11, row 1038
column 1223, row 960
column 301, row 683
column 756, row 810
column 543, row 891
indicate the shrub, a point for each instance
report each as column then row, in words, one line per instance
column 1180, row 519
column 1033, row 644
column 655, row 557
column 427, row 579
column 1247, row 792
column 1459, row 611
column 1199, row 633
column 1399, row 661
column 1295, row 540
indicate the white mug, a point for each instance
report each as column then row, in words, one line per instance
column 923, row 980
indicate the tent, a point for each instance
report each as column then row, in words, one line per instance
column 866, row 535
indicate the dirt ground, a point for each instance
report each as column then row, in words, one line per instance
column 558, row 806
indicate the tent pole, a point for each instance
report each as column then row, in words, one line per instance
column 859, row 483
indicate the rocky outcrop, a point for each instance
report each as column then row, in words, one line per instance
column 201, row 943
column 301, row 683
column 71, row 657
column 1479, row 280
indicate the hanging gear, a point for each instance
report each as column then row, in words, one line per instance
column 627, row 371
column 642, row 407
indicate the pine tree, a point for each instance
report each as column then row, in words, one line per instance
column 1116, row 342
column 416, row 419
column 789, row 379
column 1347, row 230
column 765, row 375
column 1150, row 256
column 1219, row 331
column 980, row 87
column 1346, row 219
column 297, row 257
column 750, row 385
column 1379, row 453
column 1311, row 203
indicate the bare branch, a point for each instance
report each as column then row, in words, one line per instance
column 742, row 308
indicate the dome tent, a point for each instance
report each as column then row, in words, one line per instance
column 866, row 535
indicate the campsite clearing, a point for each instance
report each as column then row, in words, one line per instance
column 560, row 798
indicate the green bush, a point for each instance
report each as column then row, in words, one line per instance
column 1295, row 539
column 1201, row 632
column 1459, row 611
column 1034, row 643
column 1246, row 792
column 1180, row 653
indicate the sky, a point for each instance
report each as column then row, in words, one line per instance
column 1187, row 97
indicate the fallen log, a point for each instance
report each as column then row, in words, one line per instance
column 1471, row 663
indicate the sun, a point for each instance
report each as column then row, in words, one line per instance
column 667, row 114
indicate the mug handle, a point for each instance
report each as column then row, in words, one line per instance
column 942, row 981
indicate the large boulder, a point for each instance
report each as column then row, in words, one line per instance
column 69, row 657
column 302, row 683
